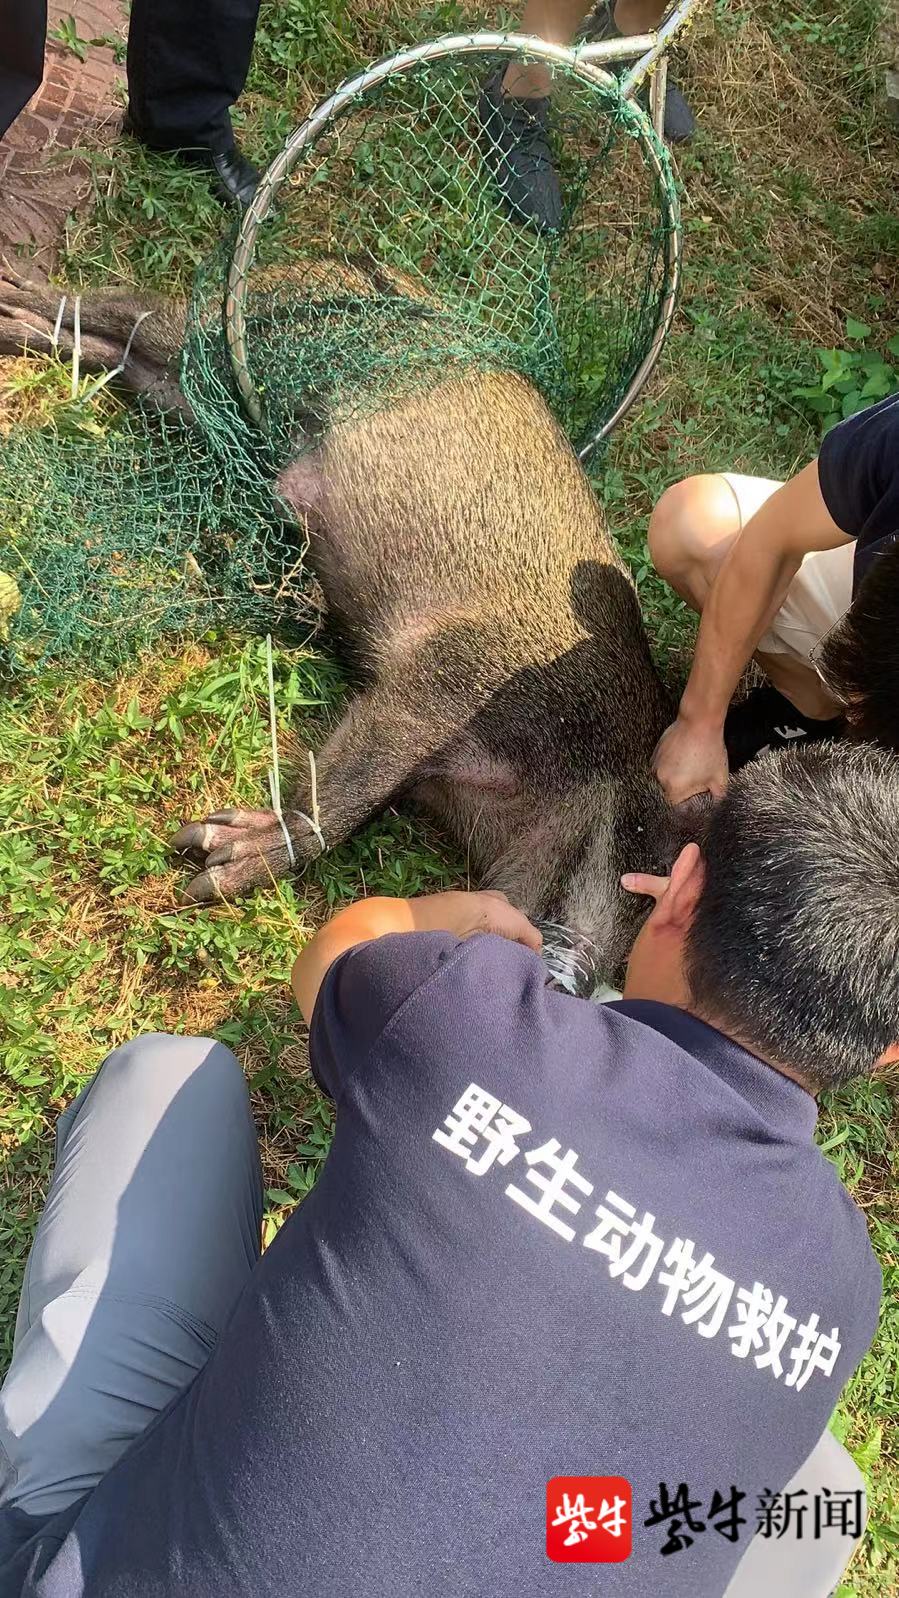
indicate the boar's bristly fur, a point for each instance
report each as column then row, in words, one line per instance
column 505, row 680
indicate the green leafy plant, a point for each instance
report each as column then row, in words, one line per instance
column 66, row 33
column 115, row 42
column 850, row 379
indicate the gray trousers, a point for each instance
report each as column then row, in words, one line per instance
column 149, row 1233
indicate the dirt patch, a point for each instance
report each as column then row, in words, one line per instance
column 78, row 103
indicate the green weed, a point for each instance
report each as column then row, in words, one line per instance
column 66, row 33
column 850, row 379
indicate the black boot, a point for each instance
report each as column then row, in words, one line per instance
column 680, row 123
column 517, row 151
column 236, row 178
column 766, row 720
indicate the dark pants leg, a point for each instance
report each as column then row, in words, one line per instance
column 23, row 29
column 187, row 63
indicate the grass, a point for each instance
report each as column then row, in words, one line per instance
column 790, row 232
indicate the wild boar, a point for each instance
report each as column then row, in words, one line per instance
column 505, row 679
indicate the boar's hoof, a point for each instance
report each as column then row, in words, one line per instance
column 238, row 850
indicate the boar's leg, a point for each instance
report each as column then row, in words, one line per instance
column 374, row 753
column 150, row 329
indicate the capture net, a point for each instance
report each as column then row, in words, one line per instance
column 391, row 260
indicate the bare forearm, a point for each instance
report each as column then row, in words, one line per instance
column 691, row 757
column 747, row 593
column 750, row 588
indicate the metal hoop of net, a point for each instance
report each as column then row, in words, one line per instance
column 389, row 258
column 380, row 248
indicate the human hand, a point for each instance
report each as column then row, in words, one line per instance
column 465, row 913
column 689, row 760
column 649, row 887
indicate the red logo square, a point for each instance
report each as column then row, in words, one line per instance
column 588, row 1519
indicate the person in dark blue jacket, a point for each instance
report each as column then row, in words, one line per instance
column 551, row 1239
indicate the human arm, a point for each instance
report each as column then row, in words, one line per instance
column 747, row 593
column 459, row 914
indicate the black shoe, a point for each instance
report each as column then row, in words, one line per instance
column 600, row 24
column 766, row 720
column 236, row 178
column 680, row 123
column 517, row 151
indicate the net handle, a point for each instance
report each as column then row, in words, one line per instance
column 234, row 313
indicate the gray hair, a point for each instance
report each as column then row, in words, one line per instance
column 794, row 947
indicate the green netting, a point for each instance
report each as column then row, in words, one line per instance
column 389, row 261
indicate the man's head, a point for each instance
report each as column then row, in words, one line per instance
column 859, row 660
column 784, row 931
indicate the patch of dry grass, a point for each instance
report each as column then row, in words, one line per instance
column 788, row 169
